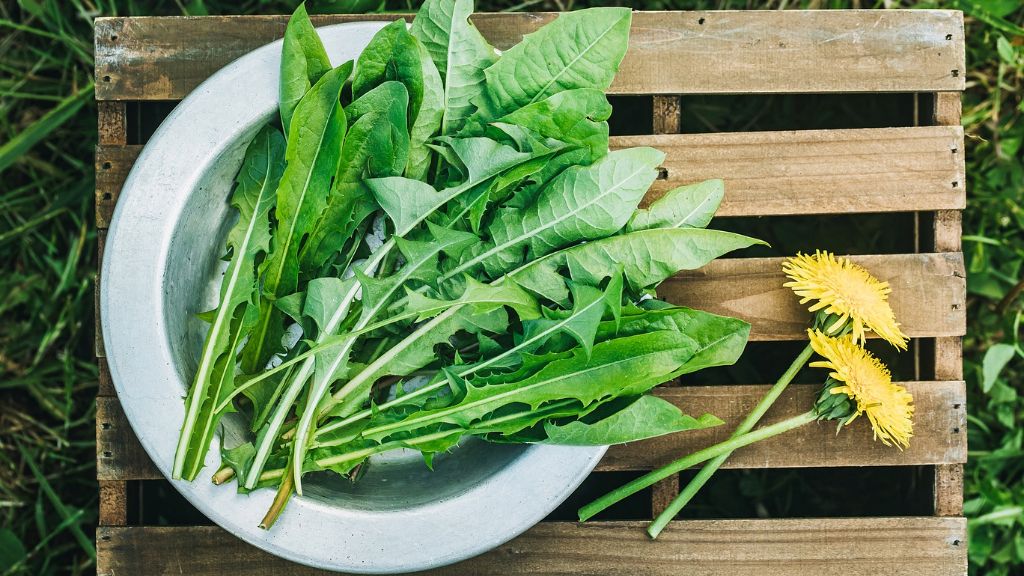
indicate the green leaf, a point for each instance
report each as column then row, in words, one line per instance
column 646, row 258
column 312, row 155
column 253, row 197
column 644, row 417
column 576, row 117
column 690, row 206
column 392, row 54
column 460, row 53
column 408, row 202
column 580, row 49
column 428, row 121
column 582, row 203
column 303, row 62
column 624, row 366
column 1006, row 50
column 996, row 358
column 12, row 551
column 481, row 298
column 14, row 148
column 377, row 144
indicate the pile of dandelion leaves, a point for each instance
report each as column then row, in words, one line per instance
column 461, row 251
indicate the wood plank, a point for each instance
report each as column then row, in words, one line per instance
column 766, row 173
column 120, row 457
column 929, row 292
column 791, row 547
column 112, row 123
column 948, row 485
column 113, row 163
column 113, row 508
column 669, row 53
column 818, row 171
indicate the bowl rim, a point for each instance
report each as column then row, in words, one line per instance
column 200, row 131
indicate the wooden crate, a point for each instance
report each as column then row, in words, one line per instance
column 916, row 169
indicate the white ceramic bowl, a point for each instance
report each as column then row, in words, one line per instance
column 161, row 268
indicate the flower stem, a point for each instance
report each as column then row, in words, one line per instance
column 747, row 425
column 725, row 447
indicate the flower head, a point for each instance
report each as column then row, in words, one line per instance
column 868, row 383
column 846, row 290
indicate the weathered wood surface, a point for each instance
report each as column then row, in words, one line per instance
column 798, row 547
column 818, row 171
column 939, row 436
column 765, row 173
column 711, row 52
column 928, row 293
column 948, row 486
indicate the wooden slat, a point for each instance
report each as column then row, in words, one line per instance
column 939, row 412
column 948, row 486
column 938, row 437
column 113, row 508
column 766, row 173
column 818, row 171
column 791, row 547
column 113, row 163
column 928, row 293
column 670, row 52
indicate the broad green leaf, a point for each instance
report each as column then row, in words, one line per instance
column 348, row 206
column 392, row 54
column 582, row 203
column 303, row 62
column 644, row 417
column 253, row 197
column 377, row 143
column 460, row 53
column 574, row 116
column 408, row 202
column 690, row 206
column 579, row 49
column 996, row 358
column 646, row 258
column 12, row 551
column 635, row 363
column 312, row 154
column 428, row 121
column 480, row 297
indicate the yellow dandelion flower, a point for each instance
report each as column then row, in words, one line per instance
column 889, row 407
column 846, row 290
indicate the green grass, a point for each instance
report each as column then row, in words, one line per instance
column 48, row 245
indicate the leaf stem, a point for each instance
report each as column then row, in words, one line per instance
column 725, row 447
column 698, row 481
column 284, row 493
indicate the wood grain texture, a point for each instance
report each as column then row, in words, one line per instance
column 112, row 123
column 663, row 492
column 113, row 507
column 766, row 173
column 818, row 171
column 669, row 53
column 939, row 413
column 113, row 163
column 667, row 115
column 792, row 547
column 928, row 293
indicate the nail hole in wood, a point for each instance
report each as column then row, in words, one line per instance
column 107, row 453
column 105, row 425
column 662, row 173
column 106, row 165
column 956, row 184
column 107, row 196
column 956, row 430
column 956, row 73
column 956, row 406
column 701, row 21
column 949, row 36
column 956, row 542
column 106, row 78
column 954, row 150
column 113, row 38
column 105, row 538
